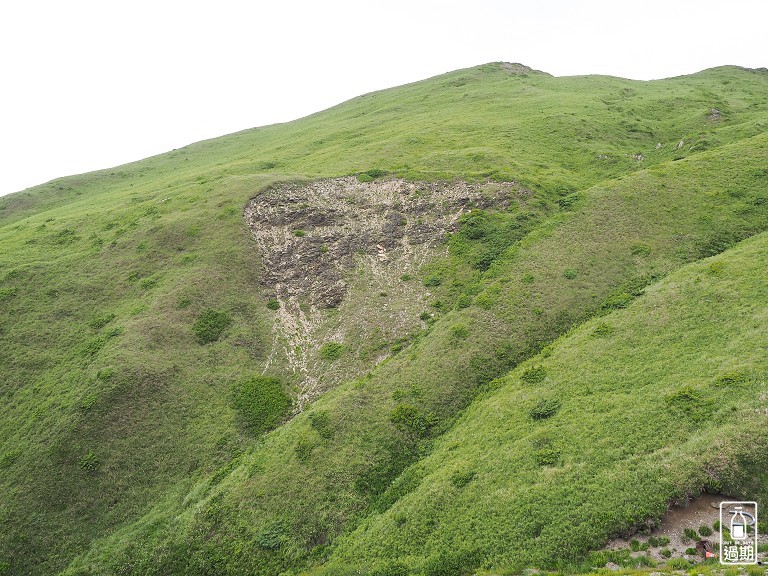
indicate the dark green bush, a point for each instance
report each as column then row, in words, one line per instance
column 321, row 423
column 210, row 325
column 570, row 273
column 433, row 280
column 303, row 448
column 534, row 375
column 411, row 418
column 261, row 403
column 299, row 233
column 689, row 402
column 271, row 536
column 678, row 564
column 690, row 551
column 545, row 452
column 273, row 304
column 331, row 351
column 705, row 530
column 666, row 552
column 545, row 408
column 461, row 478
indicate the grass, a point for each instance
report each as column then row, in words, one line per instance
column 104, row 278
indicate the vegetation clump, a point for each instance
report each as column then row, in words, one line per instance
column 210, row 325
column 261, row 403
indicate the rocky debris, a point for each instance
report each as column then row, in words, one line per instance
column 317, row 239
column 714, row 114
column 680, row 145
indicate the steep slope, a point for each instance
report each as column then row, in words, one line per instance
column 595, row 436
column 114, row 412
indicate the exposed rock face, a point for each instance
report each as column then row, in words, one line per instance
column 334, row 252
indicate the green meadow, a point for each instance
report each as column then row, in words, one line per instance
column 590, row 353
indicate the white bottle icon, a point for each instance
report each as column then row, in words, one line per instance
column 738, row 525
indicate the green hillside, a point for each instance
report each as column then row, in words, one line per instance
column 144, row 364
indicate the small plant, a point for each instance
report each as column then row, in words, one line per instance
column 321, row 423
column 634, row 545
column 271, row 536
column 89, row 462
column 716, row 525
column 299, row 233
column 432, row 280
column 527, row 278
column 101, row 321
column 459, row 332
column 412, row 418
column 405, row 277
column 730, row 379
column 534, row 375
column 640, row 249
column 679, row 564
column 461, row 478
column 425, row 316
column 690, row 534
column 210, row 325
column 666, row 552
column 183, row 303
column 273, row 304
column 545, row 452
column 570, row 273
column 545, row 408
column 324, row 249
column 664, row 540
column 331, row 351
column 617, row 300
column 690, row 551
column 303, row 448
column 705, row 530
column 463, row 301
column 603, row 329
column 717, row 268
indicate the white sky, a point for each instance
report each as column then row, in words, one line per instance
column 91, row 84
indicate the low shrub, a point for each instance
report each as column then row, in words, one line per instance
column 321, row 423
column 210, row 325
column 617, row 300
column 411, row 418
column 691, row 551
column 603, row 329
column 690, row 534
column 545, row 408
column 331, row 351
column 273, row 304
column 261, row 403
column 89, row 462
column 432, row 280
column 730, row 379
column 271, row 536
column 100, row 321
column 299, row 233
column 461, row 478
column 570, row 273
column 679, row 564
column 533, row 375
column 640, row 249
column 705, row 530
column 666, row 552
column 303, row 448
column 392, row 568
column 459, row 331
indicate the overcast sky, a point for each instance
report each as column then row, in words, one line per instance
column 93, row 84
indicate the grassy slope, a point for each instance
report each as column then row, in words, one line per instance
column 651, row 404
column 162, row 421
